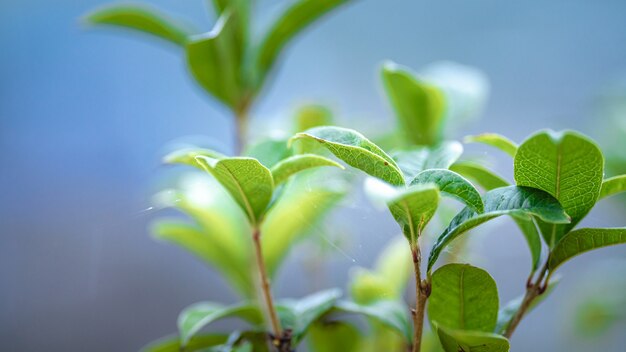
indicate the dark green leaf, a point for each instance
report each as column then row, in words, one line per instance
column 452, row 184
column 419, row 106
column 495, row 140
column 297, row 17
column 613, row 186
column 583, row 240
column 471, row 341
column 567, row 165
column 294, row 164
column 417, row 159
column 143, row 19
column 413, row 207
column 356, row 150
column 247, row 181
column 192, row 319
column 463, row 297
column 512, row 200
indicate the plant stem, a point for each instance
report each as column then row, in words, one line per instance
column 422, row 291
column 533, row 290
column 265, row 288
column 241, row 122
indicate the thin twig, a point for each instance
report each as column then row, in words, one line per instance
column 422, row 291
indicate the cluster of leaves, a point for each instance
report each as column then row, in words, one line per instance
column 276, row 189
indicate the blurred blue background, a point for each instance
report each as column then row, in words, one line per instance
column 85, row 115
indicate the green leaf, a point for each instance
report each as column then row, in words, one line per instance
column 413, row 207
column 389, row 277
column 471, row 341
column 417, row 159
column 295, row 19
column 506, row 313
column 269, row 151
column 583, row 240
column 390, row 313
column 310, row 116
column 419, row 106
column 512, row 200
column 463, row 297
column 303, row 205
column 142, row 18
column 208, row 247
column 488, row 180
column 613, row 186
column 305, row 311
column 248, row 182
column 452, row 184
column 294, row 164
column 195, row 317
column 567, row 165
column 334, row 336
column 495, row 140
column 172, row 343
column 215, row 60
column 187, row 156
column 356, row 150
column 482, row 176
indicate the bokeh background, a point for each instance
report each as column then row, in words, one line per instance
column 85, row 116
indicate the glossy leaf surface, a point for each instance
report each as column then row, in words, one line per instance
column 613, row 186
column 417, row 159
column 512, row 200
column 495, row 140
column 248, row 182
column 356, row 150
column 471, row 341
column 583, row 240
column 463, row 297
column 299, row 314
column 452, row 184
column 567, row 165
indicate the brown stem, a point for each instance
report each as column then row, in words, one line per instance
column 241, row 122
column 533, row 290
column 422, row 291
column 265, row 288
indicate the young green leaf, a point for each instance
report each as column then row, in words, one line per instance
column 215, row 60
column 495, row 140
column 413, row 208
column 506, row 313
column 512, row 200
column 269, row 151
column 207, row 246
column 310, row 116
column 307, row 310
column 584, row 240
column 452, row 184
column 303, row 205
column 532, row 236
column 293, row 21
column 471, row 341
column 143, row 19
column 188, row 156
column 195, row 317
column 390, row 313
column 356, row 150
column 613, row 186
column 567, row 165
column 247, row 181
column 463, row 297
column 417, row 159
column 172, row 343
column 419, row 106
column 294, row 164
column 482, row 176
